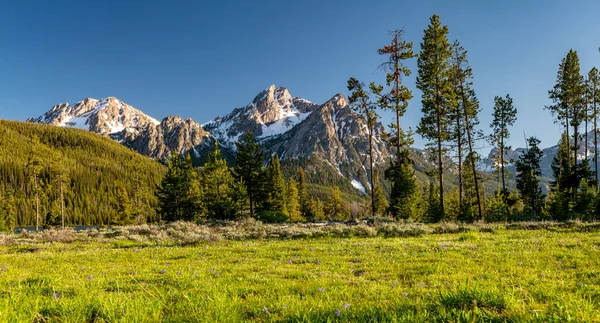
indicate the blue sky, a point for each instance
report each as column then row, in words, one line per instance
column 201, row 59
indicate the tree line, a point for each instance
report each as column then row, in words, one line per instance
column 450, row 123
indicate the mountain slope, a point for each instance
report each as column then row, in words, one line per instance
column 97, row 166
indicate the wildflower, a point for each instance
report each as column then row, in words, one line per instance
column 57, row 295
column 345, row 306
column 338, row 312
column 179, row 273
column 90, row 277
column 163, row 271
column 405, row 295
column 266, row 310
column 321, row 289
column 81, row 268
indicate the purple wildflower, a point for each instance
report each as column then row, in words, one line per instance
column 338, row 312
column 90, row 277
column 163, row 271
column 57, row 295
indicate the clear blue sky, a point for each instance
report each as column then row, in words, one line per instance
column 201, row 59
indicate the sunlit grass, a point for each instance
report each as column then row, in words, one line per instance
column 504, row 275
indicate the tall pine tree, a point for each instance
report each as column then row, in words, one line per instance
column 361, row 103
column 437, row 94
column 594, row 101
column 249, row 169
column 528, row 173
column 505, row 115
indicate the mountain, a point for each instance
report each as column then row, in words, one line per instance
column 131, row 127
column 329, row 135
column 96, row 166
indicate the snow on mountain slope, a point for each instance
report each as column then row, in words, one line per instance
column 106, row 116
column 272, row 112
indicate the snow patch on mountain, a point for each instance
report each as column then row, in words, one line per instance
column 360, row 187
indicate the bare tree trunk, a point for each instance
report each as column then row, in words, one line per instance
column 371, row 169
column 440, row 165
column 459, row 144
column 471, row 154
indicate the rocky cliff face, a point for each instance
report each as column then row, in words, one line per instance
column 292, row 127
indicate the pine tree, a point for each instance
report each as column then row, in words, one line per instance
column 34, row 169
column 293, row 202
column 249, row 169
column 62, row 184
column 360, row 102
column 437, row 94
column 123, row 207
column 178, row 193
column 528, row 173
column 400, row 172
column 399, row 95
column 433, row 211
column 567, row 96
column 307, row 204
column 562, row 184
column 192, row 202
column 466, row 114
column 9, row 209
column 381, row 202
column 276, row 201
column 594, row 101
column 505, row 115
column 334, row 207
column 220, row 190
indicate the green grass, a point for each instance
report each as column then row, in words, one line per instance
column 505, row 275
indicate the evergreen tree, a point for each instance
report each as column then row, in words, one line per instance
column 34, row 169
column 249, row 169
column 505, row 115
column 219, row 188
column 404, row 196
column 293, row 202
column 562, row 184
column 8, row 209
column 123, row 207
column 307, row 204
column 437, row 94
column 567, row 96
column 433, row 211
column 528, row 172
column 361, row 103
column 594, row 102
column 334, row 207
column 381, row 202
column 192, row 201
column 401, row 172
column 467, row 109
column 319, row 212
column 178, row 193
column 62, row 184
column 276, row 201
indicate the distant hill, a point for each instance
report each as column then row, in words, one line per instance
column 97, row 166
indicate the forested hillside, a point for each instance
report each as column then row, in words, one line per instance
column 101, row 181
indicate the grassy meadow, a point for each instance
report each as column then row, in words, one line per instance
column 531, row 272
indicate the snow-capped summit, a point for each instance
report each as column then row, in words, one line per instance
column 105, row 116
column 272, row 112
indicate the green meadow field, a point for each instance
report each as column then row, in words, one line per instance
column 189, row 273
